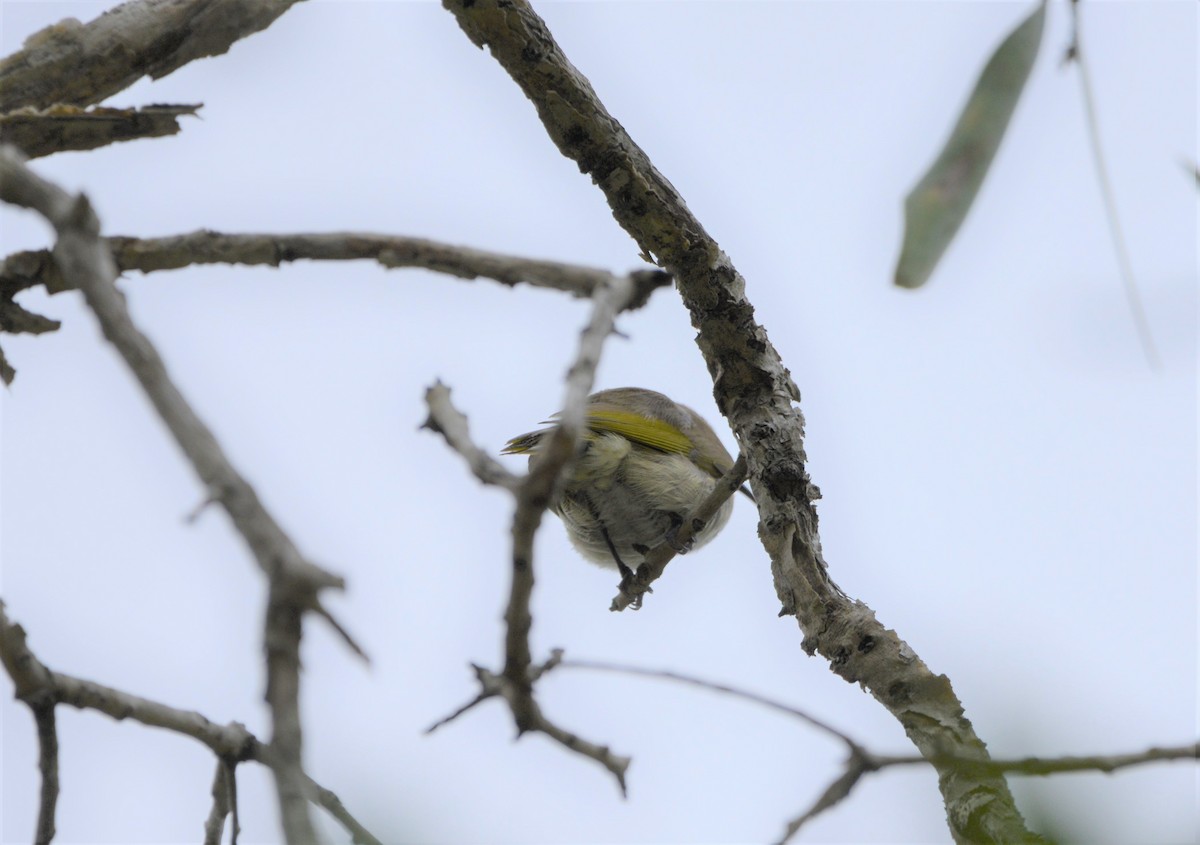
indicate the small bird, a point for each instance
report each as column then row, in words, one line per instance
column 646, row 463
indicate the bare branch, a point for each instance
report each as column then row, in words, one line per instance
column 294, row 582
column 756, row 392
column 691, row 680
column 41, row 132
column 861, row 762
column 47, row 731
column 37, row 685
column 530, row 719
column 86, row 263
column 1040, row 766
column 448, row 421
column 461, row 710
column 41, row 688
column 148, row 255
column 655, row 562
column 488, row 690
column 333, row 805
column 214, row 825
column 538, row 489
column 534, row 493
column 282, row 640
column 80, row 64
column 833, row 795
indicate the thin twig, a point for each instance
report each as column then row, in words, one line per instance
column 486, row 691
column 546, row 471
column 451, row 424
column 465, row 708
column 47, row 733
column 1042, row 766
column 38, row 686
column 692, row 680
column 1075, row 53
column 756, row 392
column 150, row 255
column 333, row 805
column 834, row 794
column 293, row 582
column 861, row 761
column 533, row 494
column 655, row 561
column 214, row 825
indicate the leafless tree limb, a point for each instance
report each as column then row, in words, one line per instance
column 1040, row 766
column 334, row 806
column 214, row 825
column 534, row 493
column 539, row 487
column 655, row 562
column 81, row 64
column 755, row 391
column 293, row 581
column 725, row 689
column 833, row 795
column 47, row 733
column 26, row 269
column 41, row 132
column 861, row 761
column 451, row 424
column 488, row 690
column 497, row 686
column 150, row 255
column 446, row 420
column 43, row 689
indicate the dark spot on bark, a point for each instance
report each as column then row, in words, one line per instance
column 530, row 54
column 520, row 564
column 640, row 548
column 786, row 480
column 574, row 136
column 467, row 4
column 867, row 643
column 840, row 656
column 898, row 693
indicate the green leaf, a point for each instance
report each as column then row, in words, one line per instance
column 936, row 207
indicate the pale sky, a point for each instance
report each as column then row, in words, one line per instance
column 1005, row 481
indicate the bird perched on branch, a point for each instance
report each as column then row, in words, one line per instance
column 646, row 462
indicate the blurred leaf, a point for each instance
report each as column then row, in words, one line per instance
column 7, row 373
column 1193, row 169
column 936, row 207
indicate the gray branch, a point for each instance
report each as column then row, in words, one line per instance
column 43, row 132
column 42, row 688
column 533, row 494
column 655, row 561
column 294, row 582
column 34, row 267
column 756, row 393
column 222, row 806
column 861, row 761
column 81, row 64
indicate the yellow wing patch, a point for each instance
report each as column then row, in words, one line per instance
column 655, row 434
